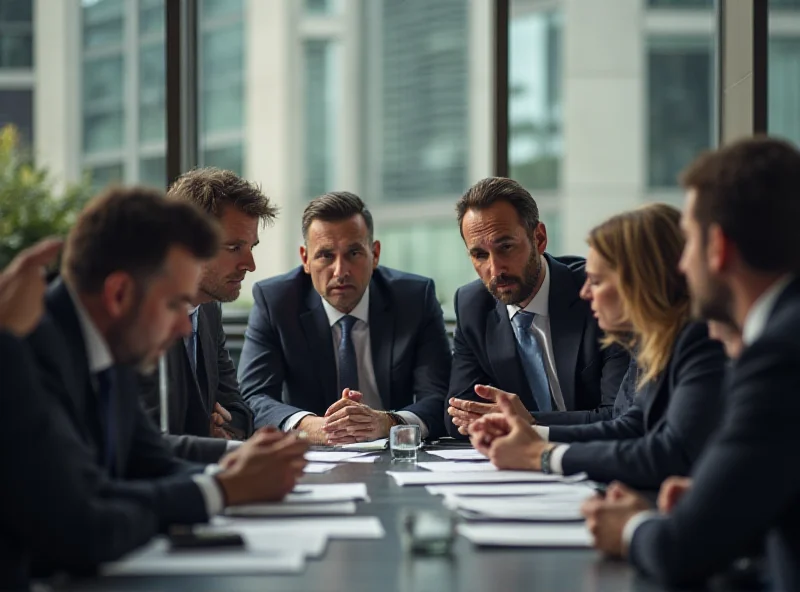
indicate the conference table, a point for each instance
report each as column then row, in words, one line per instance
column 383, row 565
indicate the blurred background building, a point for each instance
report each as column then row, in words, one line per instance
column 391, row 99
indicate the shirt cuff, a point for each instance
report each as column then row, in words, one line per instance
column 232, row 445
column 632, row 524
column 211, row 492
column 543, row 431
column 557, row 459
column 291, row 423
column 413, row 418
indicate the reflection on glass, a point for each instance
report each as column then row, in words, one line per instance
column 535, row 145
column 320, row 116
column 216, row 8
column 153, row 172
column 230, row 158
column 152, row 92
column 321, row 6
column 101, row 176
column 783, row 77
column 222, row 64
column 151, row 17
column 103, row 22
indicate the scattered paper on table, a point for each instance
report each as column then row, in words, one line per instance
column 331, row 455
column 314, row 467
column 534, row 508
column 458, row 454
column 157, row 559
column 293, row 509
column 362, row 459
column 371, row 446
column 327, row 492
column 351, row 527
column 503, row 534
column 260, row 535
column 507, row 489
column 403, row 478
column 457, row 467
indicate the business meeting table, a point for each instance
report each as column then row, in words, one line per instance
column 383, row 565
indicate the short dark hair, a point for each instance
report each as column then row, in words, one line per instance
column 212, row 189
column 491, row 190
column 751, row 189
column 335, row 207
column 132, row 230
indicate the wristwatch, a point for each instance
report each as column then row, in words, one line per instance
column 396, row 418
column 545, row 460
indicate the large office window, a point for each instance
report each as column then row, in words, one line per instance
column 320, row 113
column 783, row 78
column 16, row 34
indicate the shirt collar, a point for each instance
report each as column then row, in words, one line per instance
column 540, row 305
column 97, row 349
column 361, row 311
column 759, row 313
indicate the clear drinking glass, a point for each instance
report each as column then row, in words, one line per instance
column 404, row 440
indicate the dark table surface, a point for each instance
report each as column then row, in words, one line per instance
column 382, row 565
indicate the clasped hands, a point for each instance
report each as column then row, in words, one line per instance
column 347, row 421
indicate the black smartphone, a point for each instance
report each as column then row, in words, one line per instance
column 189, row 540
column 451, row 443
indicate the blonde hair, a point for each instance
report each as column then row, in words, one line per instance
column 644, row 247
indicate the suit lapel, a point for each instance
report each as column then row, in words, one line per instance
column 504, row 357
column 381, row 335
column 208, row 357
column 566, row 327
column 652, row 393
column 320, row 347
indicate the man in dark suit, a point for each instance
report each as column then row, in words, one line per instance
column 80, row 527
column 203, row 393
column 741, row 260
column 522, row 327
column 131, row 268
column 341, row 324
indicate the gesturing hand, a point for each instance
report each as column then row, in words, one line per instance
column 606, row 517
column 220, row 417
column 521, row 446
column 672, row 490
column 464, row 412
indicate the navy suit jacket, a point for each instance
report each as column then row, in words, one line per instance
column 288, row 360
column 485, row 348
column 746, row 485
column 56, row 511
column 145, row 464
column 666, row 428
column 192, row 399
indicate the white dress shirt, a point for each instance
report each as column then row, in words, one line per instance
column 540, row 307
column 367, row 384
column 100, row 358
column 754, row 324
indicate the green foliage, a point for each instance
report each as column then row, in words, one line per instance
column 30, row 210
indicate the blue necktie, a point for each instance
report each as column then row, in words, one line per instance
column 348, row 366
column 191, row 343
column 106, row 382
column 532, row 359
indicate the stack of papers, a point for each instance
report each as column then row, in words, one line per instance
column 371, row 446
column 543, row 508
column 527, row 535
column 310, row 500
column 511, row 489
column 404, row 478
column 317, row 467
column 328, row 492
column 322, row 456
column 457, row 467
column 458, row 454
column 350, row 528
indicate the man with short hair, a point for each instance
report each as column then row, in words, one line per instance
column 204, row 398
column 130, row 271
column 340, row 347
column 522, row 327
column 741, row 261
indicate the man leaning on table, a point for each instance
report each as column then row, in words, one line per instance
column 341, row 323
column 741, row 260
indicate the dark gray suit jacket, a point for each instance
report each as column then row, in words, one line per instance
column 55, row 508
column 485, row 348
column 288, row 364
column 192, row 399
column 146, row 467
column 666, row 428
column 746, row 485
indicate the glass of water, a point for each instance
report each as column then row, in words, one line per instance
column 404, row 441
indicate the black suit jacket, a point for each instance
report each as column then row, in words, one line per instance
column 288, row 364
column 485, row 348
column 55, row 511
column 192, row 398
column 146, row 468
column 666, row 428
column 746, row 485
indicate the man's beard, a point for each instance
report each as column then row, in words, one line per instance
column 712, row 302
column 525, row 285
column 219, row 292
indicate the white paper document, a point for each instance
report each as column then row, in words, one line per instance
column 511, row 489
column 260, row 535
column 362, row 459
column 327, row 492
column 403, row 478
column 331, row 455
column 351, row 527
column 314, row 467
column 503, row 534
column 371, row 446
column 457, row 467
column 157, row 559
column 458, row 454
column 294, row 509
column 534, row 508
